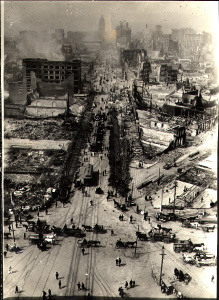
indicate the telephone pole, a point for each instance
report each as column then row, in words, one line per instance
column 161, row 200
column 175, row 185
column 161, row 269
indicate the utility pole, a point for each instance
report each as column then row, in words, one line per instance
column 13, row 231
column 158, row 181
column 161, row 200
column 161, row 269
column 174, row 200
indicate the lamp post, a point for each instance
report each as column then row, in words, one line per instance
column 13, row 231
column 161, row 269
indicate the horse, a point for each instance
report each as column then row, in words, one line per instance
column 87, row 227
column 141, row 236
column 132, row 243
column 57, row 230
column 91, row 242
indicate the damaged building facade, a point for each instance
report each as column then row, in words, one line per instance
column 161, row 136
column 52, row 71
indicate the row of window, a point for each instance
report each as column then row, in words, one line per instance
column 67, row 67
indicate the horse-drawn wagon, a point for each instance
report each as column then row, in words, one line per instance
column 88, row 243
column 141, row 236
column 121, row 244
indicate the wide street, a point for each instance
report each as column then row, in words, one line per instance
column 33, row 270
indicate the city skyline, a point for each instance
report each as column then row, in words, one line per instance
column 74, row 16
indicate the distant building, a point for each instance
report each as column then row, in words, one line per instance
column 67, row 51
column 101, row 29
column 167, row 73
column 52, row 71
column 146, row 71
column 193, row 41
column 123, row 34
column 134, row 57
column 179, row 34
column 59, row 35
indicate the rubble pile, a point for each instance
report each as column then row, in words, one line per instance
column 53, row 129
column 23, row 194
column 200, row 177
column 33, row 161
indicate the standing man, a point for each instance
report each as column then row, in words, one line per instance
column 119, row 261
column 60, row 284
column 57, row 275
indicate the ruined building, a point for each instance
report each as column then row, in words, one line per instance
column 146, row 71
column 52, row 72
column 133, row 57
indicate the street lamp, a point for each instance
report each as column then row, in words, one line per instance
column 161, row 269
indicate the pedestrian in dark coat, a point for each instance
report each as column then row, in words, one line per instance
column 7, row 247
column 5, row 253
column 57, row 275
column 50, row 293
column 126, row 284
column 112, row 232
column 60, row 284
column 82, row 286
column 44, row 295
column 83, row 250
column 130, row 283
column 119, row 261
column 16, row 289
column 79, row 286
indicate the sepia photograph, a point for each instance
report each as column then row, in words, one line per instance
column 109, row 149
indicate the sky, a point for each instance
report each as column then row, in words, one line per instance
column 85, row 15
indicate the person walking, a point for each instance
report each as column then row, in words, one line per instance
column 212, row 278
column 112, row 232
column 130, row 283
column 126, row 284
column 50, row 293
column 131, row 218
column 7, row 247
column 82, row 286
column 44, row 295
column 60, row 284
column 25, row 235
column 119, row 261
column 79, row 286
column 83, row 250
column 5, row 253
column 71, row 220
column 57, row 275
column 16, row 289
column 10, row 270
column 46, row 211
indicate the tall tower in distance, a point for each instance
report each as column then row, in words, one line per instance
column 102, row 29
